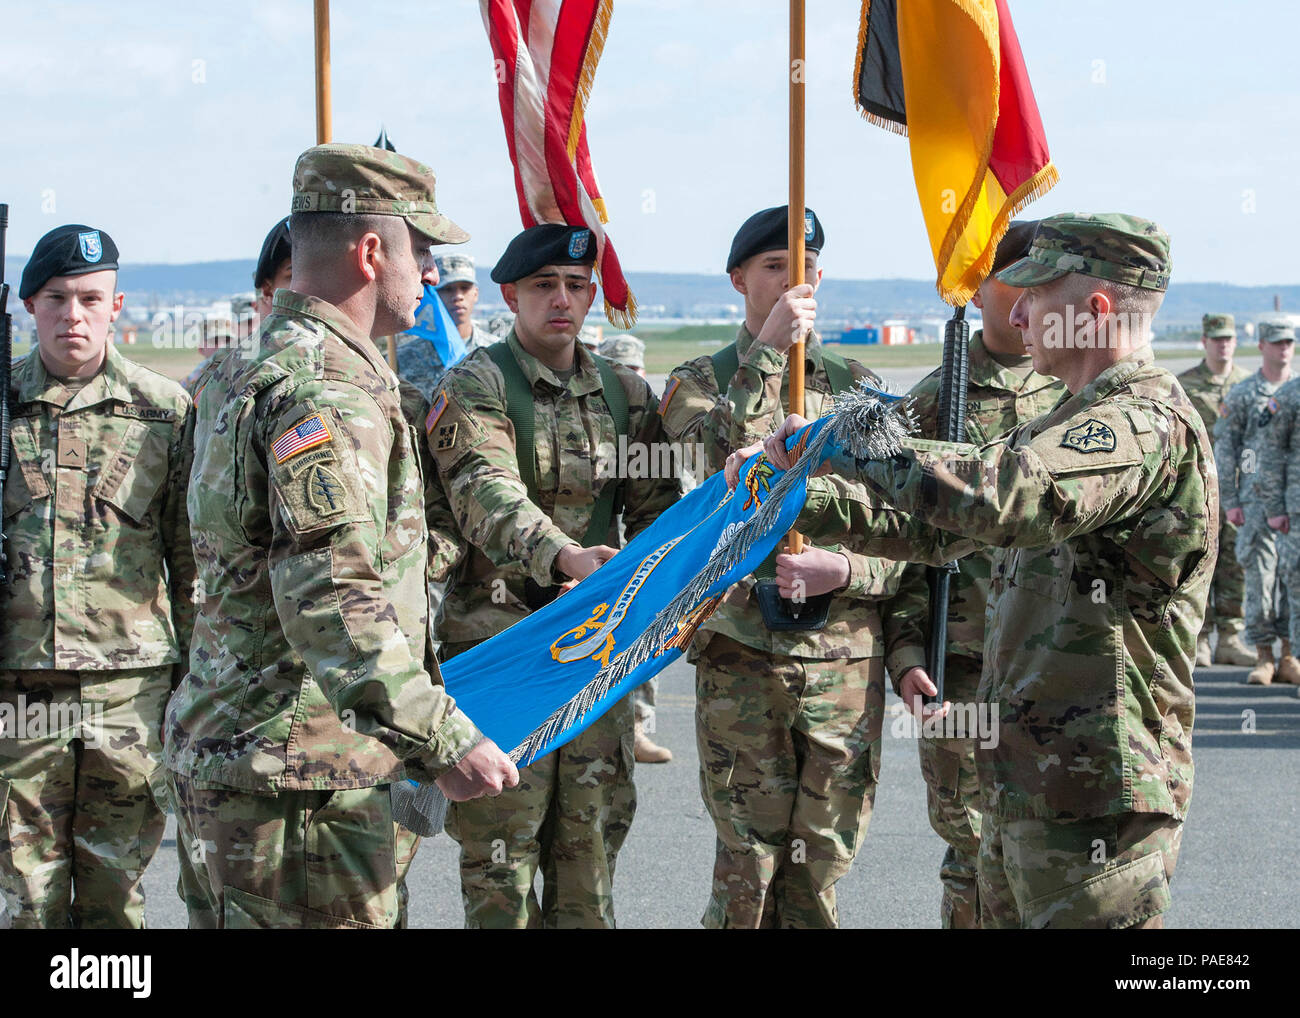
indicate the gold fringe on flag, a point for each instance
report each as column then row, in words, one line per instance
column 623, row 319
column 871, row 118
column 587, row 77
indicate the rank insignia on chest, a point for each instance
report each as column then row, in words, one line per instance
column 306, row 434
column 446, row 436
column 435, row 411
column 1272, row 404
column 1090, row 436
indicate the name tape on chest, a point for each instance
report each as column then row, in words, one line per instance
column 306, row 434
column 144, row 413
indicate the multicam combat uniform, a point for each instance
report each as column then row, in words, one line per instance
column 96, row 621
column 1225, row 613
column 1001, row 397
column 572, row 809
column 788, row 723
column 1238, row 445
column 1104, row 516
column 311, row 686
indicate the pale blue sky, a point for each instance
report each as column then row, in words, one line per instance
column 1184, row 112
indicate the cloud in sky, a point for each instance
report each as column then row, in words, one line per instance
column 175, row 127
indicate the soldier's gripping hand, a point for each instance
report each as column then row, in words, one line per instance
column 484, row 770
column 912, row 687
column 1237, row 517
column 815, row 571
column 579, row 562
column 1282, row 523
column 775, row 450
column 792, row 317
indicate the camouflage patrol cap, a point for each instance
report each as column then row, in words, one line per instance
column 455, row 268
column 371, row 181
column 1275, row 331
column 1218, row 327
column 626, row 349
column 589, row 336
column 1123, row 249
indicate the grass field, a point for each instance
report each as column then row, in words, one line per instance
column 665, row 349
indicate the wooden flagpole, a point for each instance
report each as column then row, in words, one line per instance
column 324, row 125
column 324, row 115
column 798, row 72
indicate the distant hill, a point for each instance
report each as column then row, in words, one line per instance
column 681, row 295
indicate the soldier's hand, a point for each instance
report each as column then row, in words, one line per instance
column 777, row 454
column 731, row 469
column 1282, row 524
column 582, row 562
column 816, row 571
column 484, row 770
column 915, row 684
column 1237, row 516
column 791, row 318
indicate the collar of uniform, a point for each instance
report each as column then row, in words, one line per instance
column 1117, row 375
column 585, row 379
column 36, row 384
column 300, row 305
column 812, row 348
column 1203, row 369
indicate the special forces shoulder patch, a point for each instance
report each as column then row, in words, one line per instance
column 308, row 433
column 325, row 491
column 1090, row 436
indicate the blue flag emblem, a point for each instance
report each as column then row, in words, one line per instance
column 433, row 323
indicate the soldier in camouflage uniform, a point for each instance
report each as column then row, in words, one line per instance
column 218, row 338
column 311, row 687
column 788, row 723
column 1238, row 444
column 1004, row 392
column 1279, row 486
column 573, row 808
column 1207, row 386
column 98, row 608
column 1104, row 514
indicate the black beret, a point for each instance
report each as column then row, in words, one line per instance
column 275, row 249
column 768, row 231
column 1014, row 244
column 71, row 250
column 547, row 244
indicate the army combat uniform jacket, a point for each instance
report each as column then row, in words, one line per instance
column 512, row 539
column 310, row 667
column 1239, row 439
column 999, row 399
column 1208, row 392
column 716, row 424
column 1105, row 515
column 101, row 572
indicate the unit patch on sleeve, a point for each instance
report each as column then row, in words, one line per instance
column 1090, row 436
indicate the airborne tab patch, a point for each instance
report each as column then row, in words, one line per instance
column 1090, row 436
column 306, row 434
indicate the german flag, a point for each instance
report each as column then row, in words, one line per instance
column 949, row 74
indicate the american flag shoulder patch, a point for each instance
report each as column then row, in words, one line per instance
column 435, row 411
column 668, row 393
column 308, row 433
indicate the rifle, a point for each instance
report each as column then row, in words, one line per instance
column 954, row 381
column 6, row 361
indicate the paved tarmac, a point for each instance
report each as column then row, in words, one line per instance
column 1235, row 869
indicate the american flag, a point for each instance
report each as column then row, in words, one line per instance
column 303, row 435
column 546, row 53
